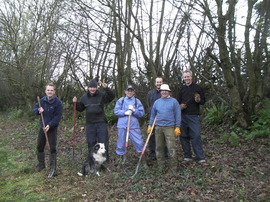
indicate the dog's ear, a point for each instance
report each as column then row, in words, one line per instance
column 97, row 146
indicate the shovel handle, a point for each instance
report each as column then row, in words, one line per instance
column 128, row 129
column 43, row 123
column 145, row 145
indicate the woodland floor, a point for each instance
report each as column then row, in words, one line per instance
column 231, row 173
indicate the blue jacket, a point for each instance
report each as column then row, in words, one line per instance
column 52, row 111
column 121, row 107
column 167, row 111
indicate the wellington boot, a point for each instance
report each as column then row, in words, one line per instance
column 41, row 161
column 52, row 172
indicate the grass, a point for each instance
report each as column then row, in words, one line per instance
column 221, row 179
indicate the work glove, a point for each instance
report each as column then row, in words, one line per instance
column 130, row 107
column 197, row 97
column 128, row 112
column 177, row 132
column 149, row 129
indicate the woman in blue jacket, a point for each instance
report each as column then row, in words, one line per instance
column 125, row 107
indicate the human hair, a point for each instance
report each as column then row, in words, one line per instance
column 49, row 84
column 188, row 71
column 159, row 77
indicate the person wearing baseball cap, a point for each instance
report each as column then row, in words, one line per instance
column 129, row 110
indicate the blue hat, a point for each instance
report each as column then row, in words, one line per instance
column 130, row 87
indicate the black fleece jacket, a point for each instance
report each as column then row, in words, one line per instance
column 186, row 96
column 94, row 105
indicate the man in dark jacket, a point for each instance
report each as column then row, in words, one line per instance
column 51, row 109
column 96, row 123
column 152, row 96
column 190, row 97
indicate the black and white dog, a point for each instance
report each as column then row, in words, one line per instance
column 95, row 160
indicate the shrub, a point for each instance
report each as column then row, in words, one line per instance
column 216, row 113
column 260, row 123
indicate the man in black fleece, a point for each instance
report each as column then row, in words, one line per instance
column 190, row 97
column 96, row 123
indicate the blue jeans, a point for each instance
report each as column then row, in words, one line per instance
column 97, row 133
column 190, row 135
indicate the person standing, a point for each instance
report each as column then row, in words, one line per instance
column 93, row 102
column 190, row 97
column 125, row 108
column 51, row 109
column 152, row 96
column 168, row 117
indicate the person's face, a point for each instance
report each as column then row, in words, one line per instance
column 129, row 92
column 158, row 82
column 92, row 90
column 164, row 93
column 187, row 78
column 50, row 91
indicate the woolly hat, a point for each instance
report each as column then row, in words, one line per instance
column 92, row 83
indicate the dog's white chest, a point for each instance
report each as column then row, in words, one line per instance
column 99, row 158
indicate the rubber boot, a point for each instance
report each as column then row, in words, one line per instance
column 144, row 162
column 41, row 161
column 52, row 172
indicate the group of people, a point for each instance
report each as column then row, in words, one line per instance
column 169, row 119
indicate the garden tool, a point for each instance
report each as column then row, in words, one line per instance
column 145, row 145
column 43, row 124
column 74, row 131
column 127, row 136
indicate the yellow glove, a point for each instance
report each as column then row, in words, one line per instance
column 149, row 129
column 177, row 132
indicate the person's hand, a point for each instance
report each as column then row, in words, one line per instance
column 177, row 132
column 75, row 99
column 46, row 128
column 128, row 112
column 104, row 85
column 197, row 97
column 130, row 107
column 40, row 110
column 149, row 129
column 183, row 106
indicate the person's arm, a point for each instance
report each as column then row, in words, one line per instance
column 118, row 111
column 139, row 109
column 108, row 96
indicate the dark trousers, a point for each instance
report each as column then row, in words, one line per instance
column 190, row 136
column 52, row 137
column 97, row 133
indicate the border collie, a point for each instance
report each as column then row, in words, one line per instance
column 94, row 161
